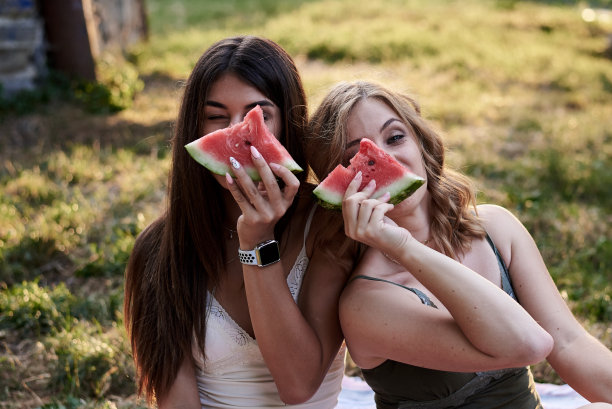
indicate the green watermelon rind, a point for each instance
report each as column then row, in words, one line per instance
column 252, row 123
column 221, row 168
column 400, row 190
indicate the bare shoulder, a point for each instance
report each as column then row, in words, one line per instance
column 498, row 221
column 503, row 227
column 373, row 263
column 357, row 291
column 491, row 213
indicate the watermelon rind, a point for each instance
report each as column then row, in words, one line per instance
column 399, row 190
column 252, row 124
column 221, row 168
column 206, row 160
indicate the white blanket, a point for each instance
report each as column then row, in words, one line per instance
column 356, row 394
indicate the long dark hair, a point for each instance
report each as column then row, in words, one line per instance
column 174, row 261
column 453, row 199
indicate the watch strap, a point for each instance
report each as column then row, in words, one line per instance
column 247, row 257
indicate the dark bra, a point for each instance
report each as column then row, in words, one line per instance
column 505, row 278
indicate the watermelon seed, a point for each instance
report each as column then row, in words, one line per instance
column 247, row 143
column 371, row 162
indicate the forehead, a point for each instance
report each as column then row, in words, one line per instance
column 367, row 117
column 230, row 85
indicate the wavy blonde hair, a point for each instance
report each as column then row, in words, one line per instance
column 455, row 221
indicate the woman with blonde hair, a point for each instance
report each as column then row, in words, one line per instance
column 452, row 301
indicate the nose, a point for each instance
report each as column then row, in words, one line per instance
column 237, row 118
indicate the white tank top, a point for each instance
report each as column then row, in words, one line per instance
column 234, row 373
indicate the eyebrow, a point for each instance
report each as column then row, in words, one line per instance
column 252, row 105
column 382, row 128
column 389, row 122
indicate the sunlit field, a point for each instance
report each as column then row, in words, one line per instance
column 521, row 91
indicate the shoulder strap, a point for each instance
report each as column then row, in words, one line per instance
column 422, row 296
column 308, row 223
column 505, row 274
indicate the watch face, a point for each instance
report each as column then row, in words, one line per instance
column 269, row 253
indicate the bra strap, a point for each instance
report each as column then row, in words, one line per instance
column 505, row 274
column 308, row 223
column 422, row 296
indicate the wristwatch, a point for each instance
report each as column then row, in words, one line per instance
column 263, row 254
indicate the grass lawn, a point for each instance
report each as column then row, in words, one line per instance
column 522, row 91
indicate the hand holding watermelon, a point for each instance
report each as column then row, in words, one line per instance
column 244, row 151
column 261, row 207
column 365, row 220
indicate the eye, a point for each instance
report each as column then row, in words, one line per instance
column 267, row 116
column 395, row 138
column 216, row 117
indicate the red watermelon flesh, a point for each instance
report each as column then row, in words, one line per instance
column 374, row 163
column 213, row 150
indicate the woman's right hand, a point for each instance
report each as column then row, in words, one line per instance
column 365, row 219
column 262, row 204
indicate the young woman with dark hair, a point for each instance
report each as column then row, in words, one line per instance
column 206, row 330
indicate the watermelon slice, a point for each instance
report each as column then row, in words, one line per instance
column 374, row 163
column 213, row 150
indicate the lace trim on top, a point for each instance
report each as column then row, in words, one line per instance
column 238, row 335
column 296, row 275
column 227, row 344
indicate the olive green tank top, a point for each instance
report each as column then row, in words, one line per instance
column 403, row 386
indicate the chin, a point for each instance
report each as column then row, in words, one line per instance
column 411, row 203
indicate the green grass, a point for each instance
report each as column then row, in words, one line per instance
column 520, row 89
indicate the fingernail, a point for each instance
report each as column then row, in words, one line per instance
column 255, row 152
column 358, row 175
column 234, row 163
column 274, row 166
column 371, row 183
column 385, row 197
column 229, row 179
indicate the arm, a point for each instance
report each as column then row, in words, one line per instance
column 183, row 393
column 483, row 328
column 298, row 344
column 581, row 360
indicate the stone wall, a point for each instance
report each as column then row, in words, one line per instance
column 67, row 35
column 22, row 54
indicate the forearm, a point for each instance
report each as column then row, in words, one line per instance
column 586, row 365
column 294, row 354
column 493, row 322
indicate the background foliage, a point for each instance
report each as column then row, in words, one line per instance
column 522, row 91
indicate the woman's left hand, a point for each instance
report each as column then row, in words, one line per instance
column 262, row 206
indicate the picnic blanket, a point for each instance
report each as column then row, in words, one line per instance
column 356, row 394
